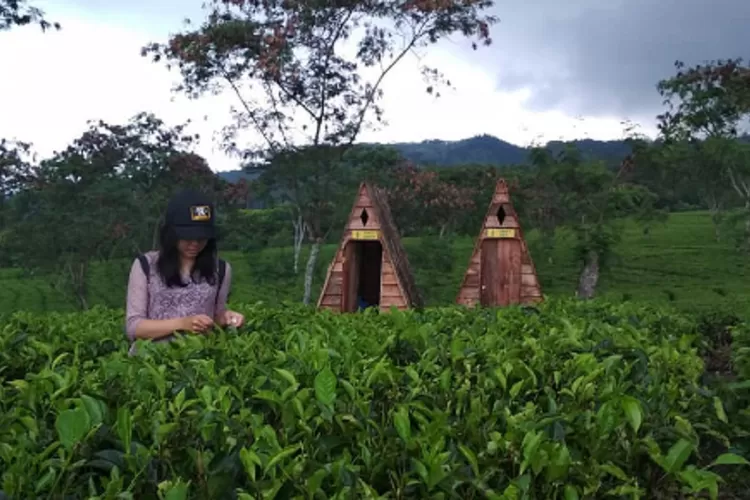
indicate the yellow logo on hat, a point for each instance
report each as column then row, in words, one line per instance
column 200, row 213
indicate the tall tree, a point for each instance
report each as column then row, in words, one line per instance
column 592, row 201
column 16, row 169
column 100, row 198
column 154, row 159
column 20, row 13
column 16, row 173
column 706, row 104
column 299, row 68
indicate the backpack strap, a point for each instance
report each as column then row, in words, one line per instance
column 145, row 266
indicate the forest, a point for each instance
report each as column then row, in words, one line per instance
column 629, row 379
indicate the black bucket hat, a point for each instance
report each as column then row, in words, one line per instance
column 191, row 215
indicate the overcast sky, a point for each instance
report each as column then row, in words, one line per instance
column 556, row 70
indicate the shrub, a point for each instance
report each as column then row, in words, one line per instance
column 569, row 400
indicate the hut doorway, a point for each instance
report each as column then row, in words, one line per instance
column 362, row 269
column 500, row 272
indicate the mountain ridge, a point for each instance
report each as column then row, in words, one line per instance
column 483, row 149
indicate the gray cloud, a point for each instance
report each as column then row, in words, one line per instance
column 597, row 58
column 583, row 57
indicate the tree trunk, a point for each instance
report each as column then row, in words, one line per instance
column 299, row 237
column 78, row 274
column 742, row 186
column 589, row 276
column 312, row 259
column 548, row 243
column 716, row 219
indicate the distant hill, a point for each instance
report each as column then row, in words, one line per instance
column 479, row 150
column 236, row 175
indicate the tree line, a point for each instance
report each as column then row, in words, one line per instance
column 307, row 98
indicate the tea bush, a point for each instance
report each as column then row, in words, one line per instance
column 571, row 400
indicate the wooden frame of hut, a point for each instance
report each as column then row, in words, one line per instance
column 500, row 272
column 370, row 268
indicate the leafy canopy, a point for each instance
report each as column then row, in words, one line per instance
column 708, row 99
column 298, row 65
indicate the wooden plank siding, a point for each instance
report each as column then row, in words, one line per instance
column 397, row 285
column 508, row 276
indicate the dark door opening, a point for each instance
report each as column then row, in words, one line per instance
column 363, row 262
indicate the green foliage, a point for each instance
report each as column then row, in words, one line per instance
column 706, row 100
column 249, row 230
column 317, row 182
column 102, row 197
column 706, row 106
column 570, row 400
column 589, row 199
column 435, row 264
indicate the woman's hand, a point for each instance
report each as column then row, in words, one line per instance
column 198, row 323
column 231, row 318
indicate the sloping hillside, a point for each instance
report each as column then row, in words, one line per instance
column 478, row 150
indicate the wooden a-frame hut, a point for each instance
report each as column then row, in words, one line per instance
column 501, row 271
column 370, row 268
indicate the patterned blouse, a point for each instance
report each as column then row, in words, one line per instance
column 150, row 298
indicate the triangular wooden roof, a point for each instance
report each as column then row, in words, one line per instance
column 375, row 201
column 470, row 286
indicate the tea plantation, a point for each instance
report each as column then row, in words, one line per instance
column 677, row 263
column 566, row 401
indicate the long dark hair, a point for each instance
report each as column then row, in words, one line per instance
column 168, row 264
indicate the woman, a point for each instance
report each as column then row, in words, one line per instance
column 183, row 286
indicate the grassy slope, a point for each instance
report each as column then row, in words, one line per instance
column 678, row 262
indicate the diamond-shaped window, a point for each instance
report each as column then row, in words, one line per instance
column 364, row 217
column 500, row 215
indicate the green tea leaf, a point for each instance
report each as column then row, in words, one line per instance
column 633, row 413
column 516, row 389
column 730, row 459
column 250, row 461
column 178, row 491
column 325, row 386
column 72, row 426
column 288, row 376
column 614, row 471
column 471, row 457
column 179, row 400
column 719, row 408
column 403, row 424
column 124, row 426
column 571, row 493
column 94, row 408
column 421, row 470
column 45, row 481
column 315, row 480
column 678, row 455
column 289, row 450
